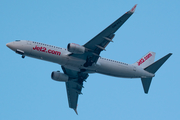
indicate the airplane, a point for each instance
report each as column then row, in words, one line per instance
column 78, row 61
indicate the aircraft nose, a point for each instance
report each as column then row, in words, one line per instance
column 10, row 45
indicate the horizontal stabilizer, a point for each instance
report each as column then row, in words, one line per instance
column 156, row 65
column 146, row 82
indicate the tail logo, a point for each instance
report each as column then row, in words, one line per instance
column 142, row 60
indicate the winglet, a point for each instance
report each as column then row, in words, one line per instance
column 133, row 9
column 75, row 109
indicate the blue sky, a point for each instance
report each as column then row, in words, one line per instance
column 27, row 90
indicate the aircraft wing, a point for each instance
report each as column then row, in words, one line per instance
column 100, row 41
column 74, row 86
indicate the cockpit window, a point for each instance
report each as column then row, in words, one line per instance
column 17, row 40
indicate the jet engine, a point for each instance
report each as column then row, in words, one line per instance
column 58, row 76
column 75, row 48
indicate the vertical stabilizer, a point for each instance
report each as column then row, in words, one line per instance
column 146, row 60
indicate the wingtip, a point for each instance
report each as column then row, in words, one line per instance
column 133, row 9
column 76, row 111
column 170, row 53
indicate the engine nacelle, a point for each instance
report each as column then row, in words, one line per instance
column 75, row 48
column 58, row 76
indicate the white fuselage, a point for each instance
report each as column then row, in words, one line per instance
column 62, row 57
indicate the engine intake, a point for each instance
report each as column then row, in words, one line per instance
column 75, row 48
column 58, row 76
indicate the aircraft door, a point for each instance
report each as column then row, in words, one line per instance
column 134, row 68
column 26, row 45
column 28, row 42
column 134, row 71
